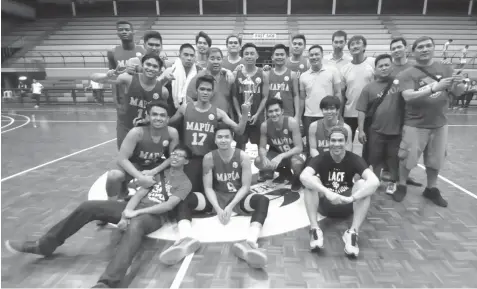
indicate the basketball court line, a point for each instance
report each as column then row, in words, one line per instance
column 27, row 121
column 55, row 160
column 57, row 110
column 67, row 121
column 10, row 119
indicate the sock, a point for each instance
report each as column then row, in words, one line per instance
column 185, row 229
column 253, row 233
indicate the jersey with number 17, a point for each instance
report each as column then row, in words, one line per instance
column 199, row 129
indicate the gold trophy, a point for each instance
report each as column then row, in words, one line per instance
column 248, row 86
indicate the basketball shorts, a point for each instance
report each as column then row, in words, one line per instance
column 271, row 154
column 193, row 170
column 327, row 209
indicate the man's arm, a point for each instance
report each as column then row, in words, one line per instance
column 191, row 90
column 312, row 182
column 337, row 84
column 296, row 135
column 301, row 102
column 349, row 142
column 111, row 61
column 179, row 114
column 246, row 180
column 296, row 96
column 262, row 149
column 126, row 151
column 207, row 166
column 265, row 92
column 371, row 184
column 111, row 77
column 238, row 128
column 172, row 145
column 312, row 140
column 161, row 208
column 136, row 198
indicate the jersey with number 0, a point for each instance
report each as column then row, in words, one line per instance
column 149, row 152
column 136, row 100
column 279, row 139
column 199, row 129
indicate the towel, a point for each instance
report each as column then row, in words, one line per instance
column 181, row 82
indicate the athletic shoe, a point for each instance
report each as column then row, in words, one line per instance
column 316, row 239
column 400, row 193
column 434, row 195
column 296, row 185
column 350, row 238
column 176, row 253
column 284, row 175
column 31, row 247
column 255, row 258
column 413, row 182
column 391, row 188
column 264, row 175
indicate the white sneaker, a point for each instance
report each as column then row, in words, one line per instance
column 350, row 238
column 391, row 188
column 316, row 239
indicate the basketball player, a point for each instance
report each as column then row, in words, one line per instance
column 329, row 189
column 320, row 130
column 199, row 120
column 282, row 134
column 227, row 179
column 136, row 91
column 203, row 42
column 284, row 82
column 297, row 62
column 145, row 213
column 153, row 43
column 119, row 55
column 250, row 82
column 142, row 151
column 233, row 59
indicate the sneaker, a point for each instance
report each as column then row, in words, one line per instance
column 255, row 257
column 316, row 239
column 413, row 182
column 296, row 185
column 32, row 247
column 263, row 176
column 350, row 238
column 391, row 188
column 399, row 193
column 434, row 195
column 179, row 251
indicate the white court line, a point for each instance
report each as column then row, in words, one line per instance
column 55, row 160
column 71, row 121
column 182, row 271
column 452, row 184
column 470, row 125
column 28, row 120
column 57, row 110
column 11, row 119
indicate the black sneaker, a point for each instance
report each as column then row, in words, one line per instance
column 412, row 182
column 296, row 185
column 284, row 175
column 32, row 247
column 263, row 176
column 434, row 195
column 400, row 193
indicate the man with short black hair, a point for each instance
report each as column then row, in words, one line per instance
column 233, row 59
column 203, row 42
column 297, row 62
column 338, row 58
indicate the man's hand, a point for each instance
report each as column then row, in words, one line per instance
column 337, row 199
column 225, row 215
column 146, row 181
column 129, row 214
column 149, row 172
column 253, row 119
column 169, row 74
column 276, row 161
column 123, row 224
column 266, row 67
column 239, row 67
column 362, row 137
column 443, row 84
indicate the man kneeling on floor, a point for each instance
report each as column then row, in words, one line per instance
column 145, row 213
column 329, row 190
column 227, row 179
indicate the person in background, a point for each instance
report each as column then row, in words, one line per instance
column 36, row 89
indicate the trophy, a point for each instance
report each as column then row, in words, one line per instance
column 248, row 86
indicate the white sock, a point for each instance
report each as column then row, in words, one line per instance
column 184, row 228
column 253, row 233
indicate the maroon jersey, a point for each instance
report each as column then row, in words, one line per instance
column 149, row 152
column 279, row 139
column 199, row 129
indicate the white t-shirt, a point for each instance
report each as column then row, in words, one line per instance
column 355, row 77
column 36, row 88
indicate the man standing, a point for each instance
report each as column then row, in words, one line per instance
column 222, row 96
column 424, row 89
column 203, row 43
column 316, row 83
column 297, row 62
column 445, row 47
column 36, row 89
column 136, row 91
column 250, row 82
column 233, row 59
column 142, row 152
column 355, row 75
column 338, row 58
column 227, row 180
column 380, row 116
column 284, row 82
column 329, row 189
column 282, row 134
column 145, row 213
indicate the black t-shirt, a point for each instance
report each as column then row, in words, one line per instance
column 338, row 177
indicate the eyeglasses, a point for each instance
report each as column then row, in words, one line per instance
column 178, row 155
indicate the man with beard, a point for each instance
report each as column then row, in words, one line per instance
column 355, row 76
column 145, row 213
column 222, row 97
column 320, row 129
column 425, row 91
column 330, row 190
column 135, row 91
column 282, row 134
column 203, row 43
column 233, row 59
column 284, row 82
column 338, row 58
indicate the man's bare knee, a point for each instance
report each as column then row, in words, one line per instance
column 116, row 176
column 359, row 184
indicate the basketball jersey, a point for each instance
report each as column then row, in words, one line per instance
column 121, row 57
column 230, row 66
column 227, row 176
column 281, row 87
column 257, row 88
column 199, row 129
column 322, row 136
column 298, row 67
column 279, row 139
column 148, row 153
column 136, row 101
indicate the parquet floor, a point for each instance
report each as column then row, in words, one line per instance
column 408, row 244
